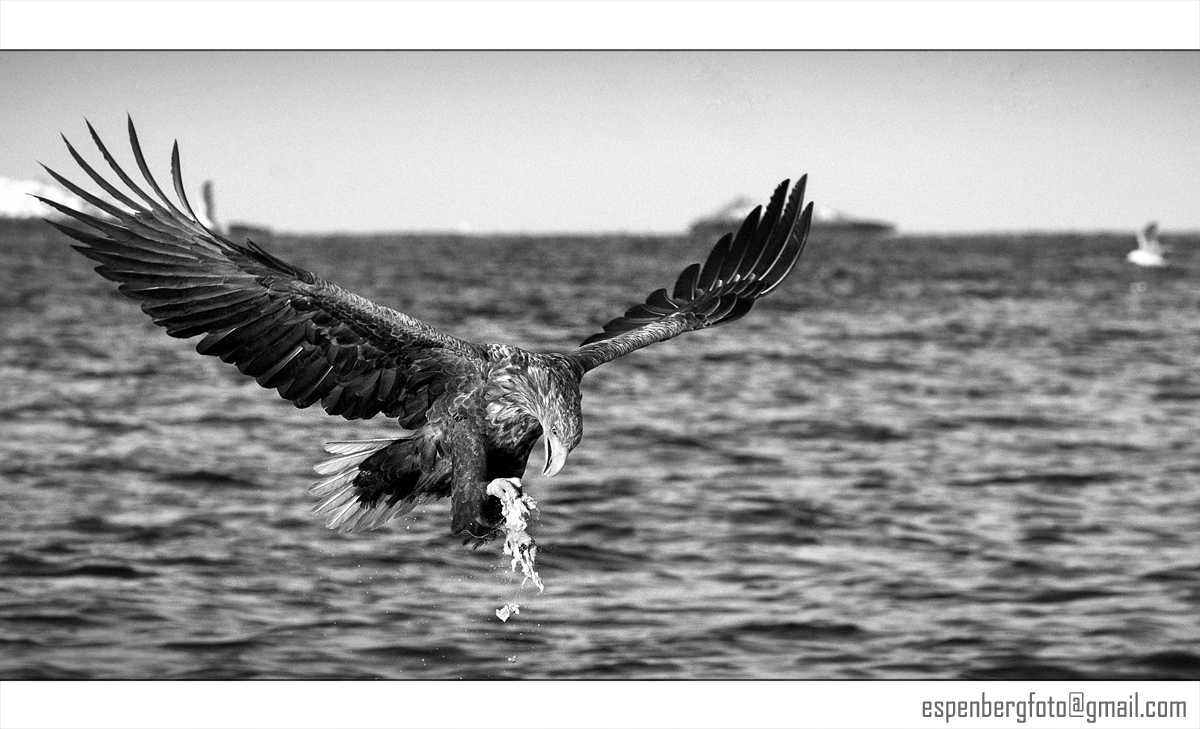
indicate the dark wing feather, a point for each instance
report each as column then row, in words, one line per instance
column 740, row 269
column 286, row 327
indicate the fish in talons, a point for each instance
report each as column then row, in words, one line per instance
column 518, row 544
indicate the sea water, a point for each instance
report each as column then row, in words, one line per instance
column 971, row 457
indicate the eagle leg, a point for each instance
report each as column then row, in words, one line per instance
column 476, row 515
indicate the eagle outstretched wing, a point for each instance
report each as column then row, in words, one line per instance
column 741, row 269
column 288, row 328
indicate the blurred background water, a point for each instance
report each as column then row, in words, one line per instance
column 969, row 457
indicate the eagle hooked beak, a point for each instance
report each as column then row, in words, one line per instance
column 556, row 455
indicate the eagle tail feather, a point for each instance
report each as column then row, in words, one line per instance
column 352, row 504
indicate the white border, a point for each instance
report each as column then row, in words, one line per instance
column 581, row 24
column 570, row 705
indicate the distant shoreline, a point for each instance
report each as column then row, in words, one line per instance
column 37, row 229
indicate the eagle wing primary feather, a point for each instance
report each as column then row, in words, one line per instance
column 288, row 328
column 741, row 269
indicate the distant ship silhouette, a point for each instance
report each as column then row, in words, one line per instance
column 730, row 216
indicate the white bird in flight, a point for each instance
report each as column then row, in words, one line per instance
column 1150, row 251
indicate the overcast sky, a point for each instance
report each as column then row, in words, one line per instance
column 632, row 141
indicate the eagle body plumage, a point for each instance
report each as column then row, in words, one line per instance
column 468, row 413
column 483, row 426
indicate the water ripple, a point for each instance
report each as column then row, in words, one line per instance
column 928, row 458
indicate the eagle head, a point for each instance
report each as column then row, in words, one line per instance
column 553, row 398
column 561, row 417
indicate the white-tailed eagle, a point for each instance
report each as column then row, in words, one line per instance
column 469, row 413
